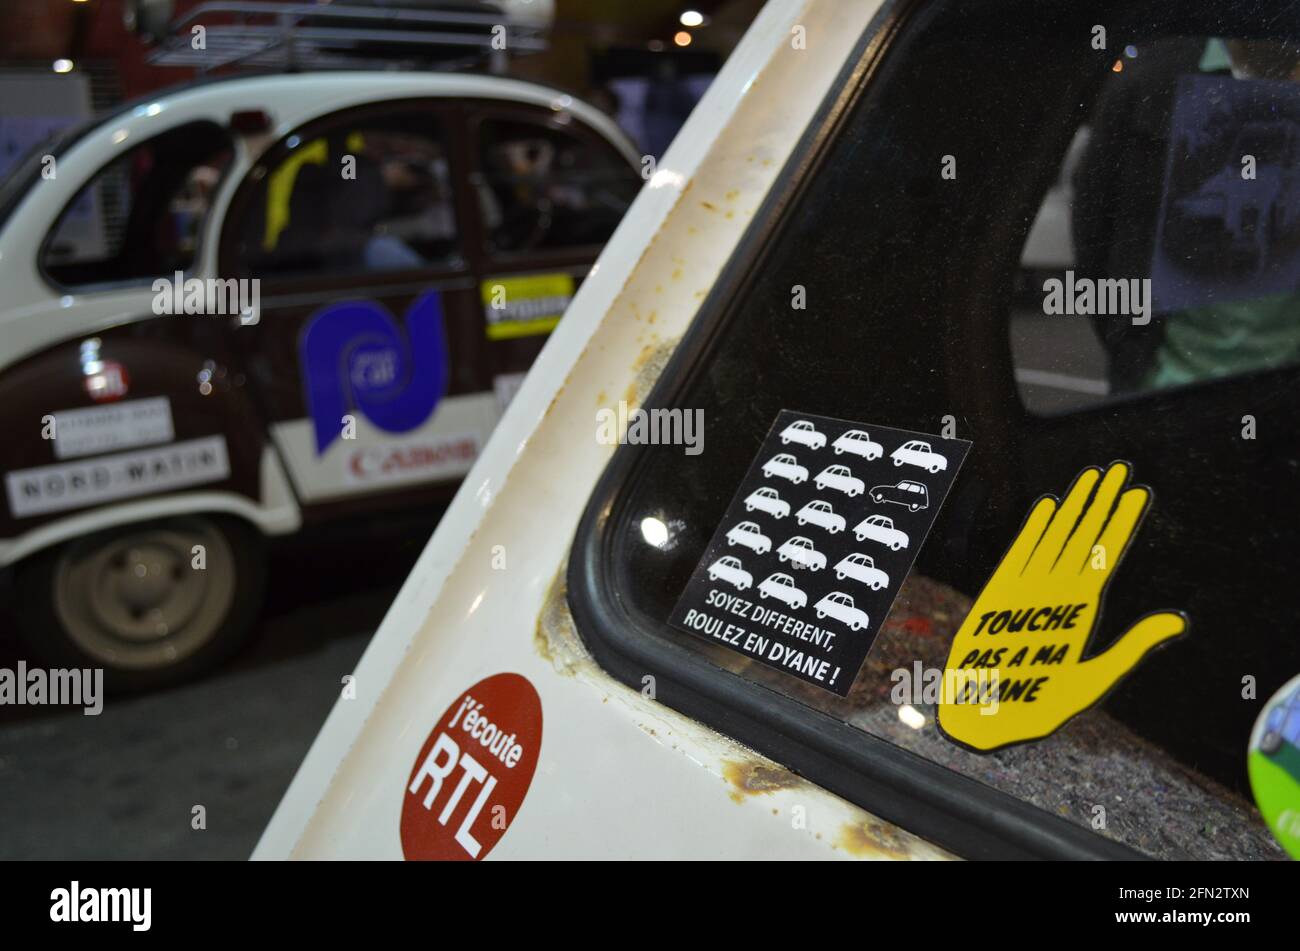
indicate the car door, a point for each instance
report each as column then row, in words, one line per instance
column 367, row 352
column 548, row 192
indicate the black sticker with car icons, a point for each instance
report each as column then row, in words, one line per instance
column 816, row 543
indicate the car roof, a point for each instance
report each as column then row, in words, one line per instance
column 292, row 99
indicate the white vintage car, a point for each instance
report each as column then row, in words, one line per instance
column 860, row 567
column 858, row 443
column 819, row 512
column 918, row 453
column 804, row 433
column 749, row 535
column 839, row 477
column 767, row 500
column 782, row 587
column 839, row 605
column 802, row 553
column 785, row 466
column 729, row 569
column 880, row 528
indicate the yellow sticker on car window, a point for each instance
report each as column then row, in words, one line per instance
column 525, row 305
column 1018, row 668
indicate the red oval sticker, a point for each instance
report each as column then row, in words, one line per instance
column 473, row 771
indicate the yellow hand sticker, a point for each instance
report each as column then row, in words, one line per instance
column 1017, row 668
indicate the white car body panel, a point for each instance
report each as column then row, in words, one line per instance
column 457, row 620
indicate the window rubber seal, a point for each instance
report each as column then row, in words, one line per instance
column 960, row 814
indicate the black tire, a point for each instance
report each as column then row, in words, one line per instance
column 44, row 627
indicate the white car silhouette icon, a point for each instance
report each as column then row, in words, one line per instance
column 840, row 606
column 767, row 500
column 782, row 587
column 861, row 568
column 912, row 494
column 918, row 453
column 749, row 535
column 880, row 528
column 787, row 467
column 821, row 513
column 801, row 553
column 839, row 477
column 729, row 569
column 803, row 433
column 858, row 443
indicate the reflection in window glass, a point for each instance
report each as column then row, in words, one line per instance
column 361, row 195
column 1173, row 229
column 546, row 188
column 142, row 216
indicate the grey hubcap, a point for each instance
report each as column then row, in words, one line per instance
column 135, row 598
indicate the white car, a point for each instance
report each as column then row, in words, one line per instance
column 782, row 587
column 840, row 606
column 801, row 553
column 750, row 536
column 729, row 569
column 803, row 433
column 918, row 453
column 858, row 443
column 785, row 466
column 839, row 477
column 820, row 513
column 880, row 528
column 861, row 568
column 767, row 500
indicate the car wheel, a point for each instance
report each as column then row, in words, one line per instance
column 877, row 586
column 855, row 626
column 897, row 463
column 875, row 498
column 895, row 547
column 781, row 559
column 749, row 508
column 712, row 576
column 801, row 521
column 934, row 470
column 913, row 507
column 129, row 599
column 839, row 451
column 1270, row 742
column 821, row 615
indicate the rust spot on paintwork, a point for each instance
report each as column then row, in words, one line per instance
column 753, row 779
column 871, row 838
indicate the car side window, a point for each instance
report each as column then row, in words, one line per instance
column 543, row 186
column 142, row 215
column 907, row 223
column 353, row 194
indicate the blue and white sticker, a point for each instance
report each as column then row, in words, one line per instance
column 357, row 359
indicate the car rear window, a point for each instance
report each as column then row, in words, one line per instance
column 917, row 242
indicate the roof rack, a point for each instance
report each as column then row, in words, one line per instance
column 265, row 34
